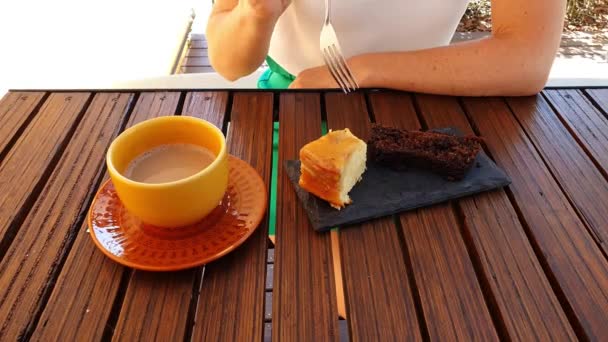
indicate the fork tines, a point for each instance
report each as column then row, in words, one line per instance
column 339, row 69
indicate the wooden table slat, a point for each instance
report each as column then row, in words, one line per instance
column 210, row 106
column 575, row 261
column 51, row 224
column 89, row 289
column 15, row 110
column 23, row 169
column 572, row 167
column 527, row 263
column 231, row 303
column 437, row 251
column 378, row 296
column 155, row 307
column 517, row 284
column 166, row 298
column 588, row 124
column 304, row 303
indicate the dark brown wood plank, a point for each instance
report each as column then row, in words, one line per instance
column 572, row 167
column 448, row 287
column 155, row 307
column 304, row 302
column 196, row 61
column 195, row 69
column 449, row 290
column 39, row 249
column 210, row 106
column 231, row 303
column 89, row 281
column 521, row 295
column 567, row 248
column 587, row 122
column 26, row 163
column 378, row 296
column 15, row 110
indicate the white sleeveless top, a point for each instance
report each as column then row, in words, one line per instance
column 362, row 26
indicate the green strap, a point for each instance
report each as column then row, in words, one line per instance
column 275, row 77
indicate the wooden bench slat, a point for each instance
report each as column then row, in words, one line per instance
column 567, row 248
column 192, row 52
column 15, row 109
column 198, row 43
column 600, row 96
column 196, row 69
column 587, row 123
column 231, row 302
column 447, row 285
column 518, row 285
column 88, row 289
column 197, row 36
column 32, row 260
column 571, row 166
column 192, row 61
column 304, row 303
column 376, row 284
column 25, row 165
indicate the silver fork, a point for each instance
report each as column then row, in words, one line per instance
column 332, row 54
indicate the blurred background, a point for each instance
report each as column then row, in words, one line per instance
column 94, row 44
column 118, row 44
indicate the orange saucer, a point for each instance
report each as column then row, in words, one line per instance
column 127, row 240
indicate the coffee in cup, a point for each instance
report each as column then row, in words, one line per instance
column 169, row 171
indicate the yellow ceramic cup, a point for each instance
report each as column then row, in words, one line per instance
column 178, row 203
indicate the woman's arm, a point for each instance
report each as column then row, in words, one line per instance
column 514, row 60
column 238, row 34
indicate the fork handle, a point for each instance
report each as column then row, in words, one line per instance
column 327, row 11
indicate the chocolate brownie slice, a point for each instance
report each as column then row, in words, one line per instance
column 447, row 155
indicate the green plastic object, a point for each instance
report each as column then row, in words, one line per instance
column 275, row 77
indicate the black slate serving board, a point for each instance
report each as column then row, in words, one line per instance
column 384, row 191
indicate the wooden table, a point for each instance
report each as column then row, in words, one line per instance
column 525, row 263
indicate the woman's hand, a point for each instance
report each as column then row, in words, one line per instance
column 315, row 78
column 239, row 32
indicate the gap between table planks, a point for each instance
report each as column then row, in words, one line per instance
column 165, row 296
column 16, row 111
column 489, row 270
column 575, row 265
column 600, row 98
column 231, row 302
column 437, row 251
column 172, row 295
column 89, row 290
column 574, row 170
column 27, row 165
column 304, row 298
column 376, row 284
column 586, row 122
column 47, row 233
column 521, row 299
